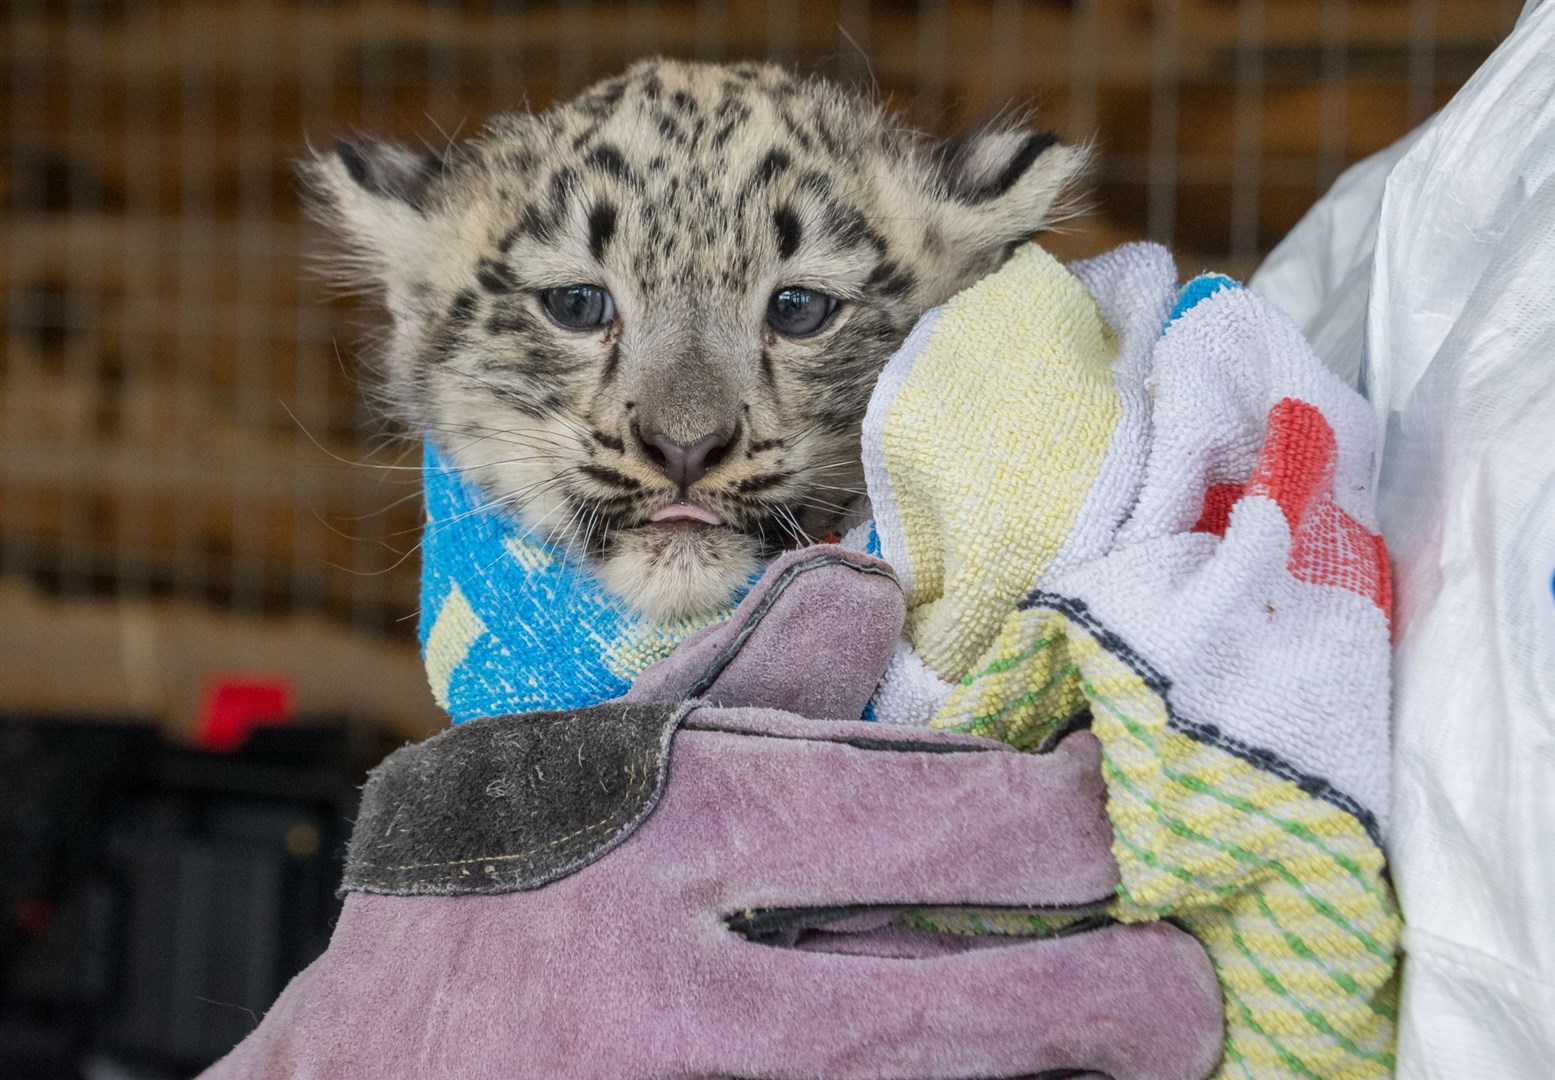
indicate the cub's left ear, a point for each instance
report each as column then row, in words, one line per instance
column 999, row 187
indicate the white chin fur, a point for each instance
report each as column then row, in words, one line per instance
column 678, row 571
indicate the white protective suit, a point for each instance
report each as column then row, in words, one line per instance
column 1427, row 278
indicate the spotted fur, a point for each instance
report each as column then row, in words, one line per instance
column 691, row 192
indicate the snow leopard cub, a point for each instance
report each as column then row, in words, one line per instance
column 647, row 321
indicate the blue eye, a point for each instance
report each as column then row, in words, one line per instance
column 799, row 312
column 579, row 307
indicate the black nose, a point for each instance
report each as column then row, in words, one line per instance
column 684, row 463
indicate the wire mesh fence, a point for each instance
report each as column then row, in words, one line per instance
column 180, row 415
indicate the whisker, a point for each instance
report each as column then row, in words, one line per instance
column 537, row 439
column 786, row 518
column 826, row 507
column 372, row 513
column 831, row 465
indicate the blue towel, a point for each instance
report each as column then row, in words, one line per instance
column 511, row 625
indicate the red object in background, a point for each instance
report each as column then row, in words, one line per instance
column 32, row 916
column 236, row 706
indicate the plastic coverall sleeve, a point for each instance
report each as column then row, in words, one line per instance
column 1427, row 277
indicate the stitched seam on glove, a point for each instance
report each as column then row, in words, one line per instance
column 860, row 742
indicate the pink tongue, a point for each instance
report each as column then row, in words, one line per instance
column 686, row 512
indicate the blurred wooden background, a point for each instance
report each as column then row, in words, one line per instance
column 189, row 481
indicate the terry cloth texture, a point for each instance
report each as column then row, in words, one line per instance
column 1188, row 490
column 510, row 625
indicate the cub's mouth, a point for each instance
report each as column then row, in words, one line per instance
column 691, row 558
column 677, row 529
column 685, row 512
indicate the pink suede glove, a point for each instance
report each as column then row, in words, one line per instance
column 651, row 888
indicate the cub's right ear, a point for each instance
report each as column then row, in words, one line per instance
column 382, row 202
column 390, row 171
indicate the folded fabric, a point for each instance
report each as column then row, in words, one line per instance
column 1160, row 525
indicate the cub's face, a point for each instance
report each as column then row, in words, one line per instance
column 646, row 323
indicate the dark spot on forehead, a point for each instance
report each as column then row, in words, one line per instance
column 608, row 160
column 562, row 181
column 832, row 143
column 795, row 129
column 789, row 231
column 603, row 103
column 848, row 228
column 730, row 99
column 669, row 130
column 461, row 309
column 517, row 159
column 721, row 136
column 494, row 276
column 818, row 182
column 535, row 223
column 602, row 226
column 774, row 163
